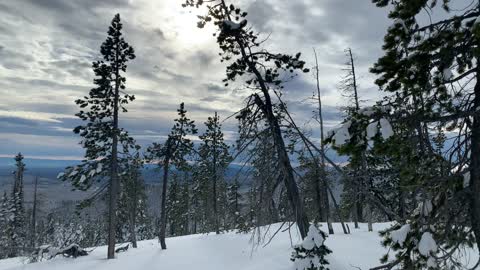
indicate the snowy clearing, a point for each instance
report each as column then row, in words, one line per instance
column 360, row 250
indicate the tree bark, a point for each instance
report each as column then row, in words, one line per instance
column 114, row 185
column 163, row 214
column 133, row 214
column 359, row 207
column 369, row 213
column 318, row 199
column 355, row 213
column 237, row 210
column 345, row 230
column 214, row 175
column 287, row 169
column 401, row 204
column 34, row 215
column 323, row 175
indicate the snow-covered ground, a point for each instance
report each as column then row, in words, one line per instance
column 360, row 250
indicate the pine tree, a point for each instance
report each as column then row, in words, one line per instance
column 172, row 208
column 102, row 136
column 431, row 69
column 214, row 159
column 18, row 176
column 17, row 222
column 173, row 152
column 33, row 230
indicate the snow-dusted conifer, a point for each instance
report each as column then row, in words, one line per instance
column 214, row 159
column 311, row 252
column 430, row 67
column 16, row 222
column 104, row 141
column 173, row 152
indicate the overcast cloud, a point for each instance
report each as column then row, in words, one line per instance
column 47, row 46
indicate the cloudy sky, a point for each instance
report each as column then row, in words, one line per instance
column 47, row 46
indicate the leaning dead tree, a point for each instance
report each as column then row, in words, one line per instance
column 261, row 70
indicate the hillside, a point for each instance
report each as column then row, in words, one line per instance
column 360, row 250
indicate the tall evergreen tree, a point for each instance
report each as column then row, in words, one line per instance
column 431, row 68
column 173, row 152
column 18, row 178
column 17, row 224
column 102, row 136
column 33, row 230
column 214, row 158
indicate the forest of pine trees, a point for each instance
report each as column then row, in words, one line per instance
column 413, row 155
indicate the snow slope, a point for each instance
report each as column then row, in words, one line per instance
column 360, row 250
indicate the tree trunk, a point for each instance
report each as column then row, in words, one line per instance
column 359, row 207
column 133, row 233
column 187, row 221
column 214, row 175
column 475, row 164
column 133, row 214
column 358, row 197
column 355, row 213
column 284, row 161
column 369, row 216
column 326, row 204
column 163, row 214
column 401, row 204
column 114, row 185
column 323, row 174
column 237, row 211
column 34, row 215
column 273, row 211
column 318, row 200
column 195, row 214
column 345, row 230
column 290, row 184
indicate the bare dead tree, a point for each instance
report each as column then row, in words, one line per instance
column 322, row 183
